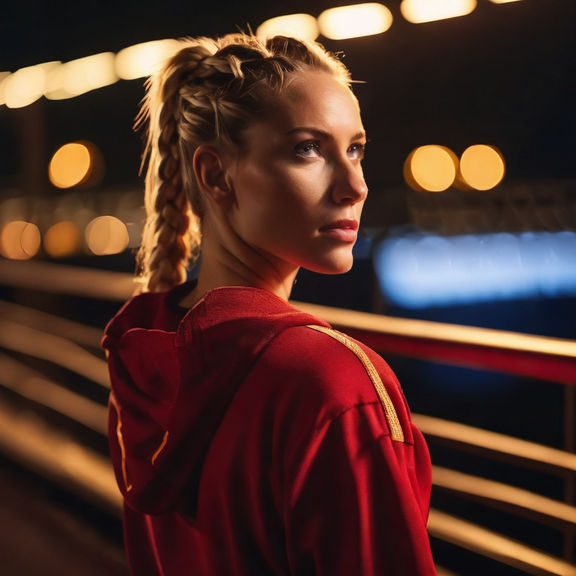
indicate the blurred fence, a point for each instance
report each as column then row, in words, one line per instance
column 41, row 431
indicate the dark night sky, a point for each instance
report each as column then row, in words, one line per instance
column 503, row 75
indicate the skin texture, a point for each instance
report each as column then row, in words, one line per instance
column 291, row 197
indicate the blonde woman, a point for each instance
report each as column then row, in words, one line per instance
column 249, row 438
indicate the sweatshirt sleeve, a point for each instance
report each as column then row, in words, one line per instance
column 353, row 505
column 356, row 471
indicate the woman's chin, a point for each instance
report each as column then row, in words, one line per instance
column 332, row 266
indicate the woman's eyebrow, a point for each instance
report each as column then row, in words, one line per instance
column 322, row 133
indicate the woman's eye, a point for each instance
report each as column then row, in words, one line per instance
column 356, row 151
column 308, row 149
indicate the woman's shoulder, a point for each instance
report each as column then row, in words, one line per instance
column 318, row 375
column 311, row 348
column 320, row 350
column 328, row 364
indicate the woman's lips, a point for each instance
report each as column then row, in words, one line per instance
column 343, row 230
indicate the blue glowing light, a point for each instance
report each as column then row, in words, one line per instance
column 418, row 271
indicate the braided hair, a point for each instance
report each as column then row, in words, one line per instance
column 208, row 92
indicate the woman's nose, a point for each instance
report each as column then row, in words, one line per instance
column 349, row 184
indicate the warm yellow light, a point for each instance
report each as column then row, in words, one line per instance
column 107, row 235
column 302, row 26
column 354, row 21
column 431, row 168
column 482, row 167
column 26, row 85
column 70, row 165
column 80, row 76
column 418, row 11
column 54, row 85
column 19, row 240
column 62, row 239
column 143, row 59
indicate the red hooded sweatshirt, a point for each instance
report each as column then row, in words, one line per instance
column 250, row 439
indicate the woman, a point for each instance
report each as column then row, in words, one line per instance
column 248, row 438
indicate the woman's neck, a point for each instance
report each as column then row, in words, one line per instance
column 236, row 264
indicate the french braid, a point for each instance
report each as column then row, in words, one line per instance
column 208, row 92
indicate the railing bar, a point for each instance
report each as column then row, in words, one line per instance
column 29, row 384
column 72, row 280
column 79, row 333
column 493, row 545
column 529, row 364
column 527, row 503
column 437, row 331
column 53, row 454
column 493, row 442
column 570, row 483
column 60, row 351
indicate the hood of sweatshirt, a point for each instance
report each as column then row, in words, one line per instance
column 174, row 372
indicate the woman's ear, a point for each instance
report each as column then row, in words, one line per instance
column 210, row 173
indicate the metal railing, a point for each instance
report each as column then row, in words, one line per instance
column 58, row 341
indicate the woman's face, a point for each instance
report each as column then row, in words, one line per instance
column 298, row 184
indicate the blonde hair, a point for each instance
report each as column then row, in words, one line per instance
column 208, row 92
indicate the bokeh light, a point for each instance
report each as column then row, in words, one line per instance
column 482, row 167
column 144, row 59
column 418, row 11
column 19, row 240
column 62, row 239
column 423, row 270
column 70, row 165
column 26, row 85
column 75, row 163
column 302, row 26
column 80, row 76
column 355, row 21
column 431, row 168
column 107, row 235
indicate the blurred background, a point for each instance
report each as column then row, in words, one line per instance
column 470, row 111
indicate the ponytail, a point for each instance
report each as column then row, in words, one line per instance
column 171, row 234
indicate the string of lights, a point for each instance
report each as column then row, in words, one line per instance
column 62, row 80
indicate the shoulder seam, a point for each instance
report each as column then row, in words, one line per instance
column 396, row 432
